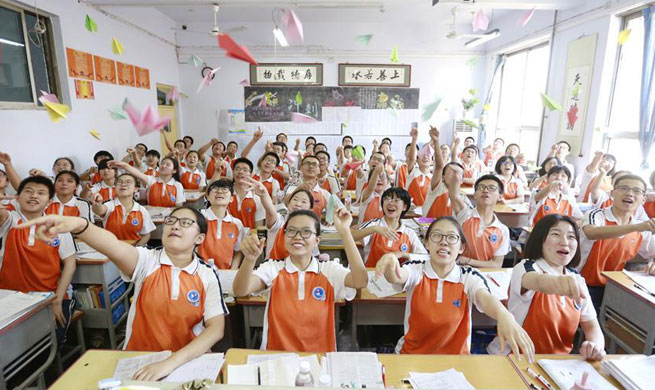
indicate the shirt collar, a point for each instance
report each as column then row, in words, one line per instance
column 189, row 269
column 70, row 203
column 210, row 216
column 135, row 206
column 453, row 276
column 291, row 268
column 171, row 181
column 495, row 222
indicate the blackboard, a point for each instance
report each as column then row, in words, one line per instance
column 275, row 104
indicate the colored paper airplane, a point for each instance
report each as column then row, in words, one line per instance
column 334, row 203
column 358, row 152
column 90, row 24
column 207, row 80
column 394, row 112
column 472, row 62
column 364, row 39
column 235, row 51
column 470, row 123
column 426, row 150
column 394, row 55
column 117, row 113
column 302, row 118
column 56, row 110
column 244, row 83
column 430, row 109
column 525, row 18
column 354, row 164
column 549, row 103
column 95, row 134
column 116, row 46
column 146, row 122
column 173, row 95
column 623, row 36
column 293, row 27
column 480, row 21
column 195, row 60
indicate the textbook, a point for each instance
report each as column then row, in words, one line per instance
column 566, row 372
column 633, row 372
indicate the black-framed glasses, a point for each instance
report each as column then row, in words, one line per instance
column 451, row 239
column 490, row 188
column 184, row 222
column 304, row 233
column 218, row 190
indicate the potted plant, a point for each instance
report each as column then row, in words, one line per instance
column 469, row 102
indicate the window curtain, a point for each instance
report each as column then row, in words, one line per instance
column 482, row 134
column 647, row 109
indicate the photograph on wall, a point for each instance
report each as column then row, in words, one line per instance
column 105, row 69
column 80, row 64
column 84, row 89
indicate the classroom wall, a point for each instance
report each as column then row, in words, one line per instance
column 34, row 141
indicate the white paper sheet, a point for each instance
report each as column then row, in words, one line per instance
column 380, row 287
column 449, row 379
column 255, row 359
column 243, row 374
column 633, row 372
column 226, row 276
column 565, row 372
column 355, row 370
column 644, row 280
column 125, row 368
column 498, row 282
column 14, row 304
column 206, row 366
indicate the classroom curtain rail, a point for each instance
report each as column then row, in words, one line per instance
column 647, row 108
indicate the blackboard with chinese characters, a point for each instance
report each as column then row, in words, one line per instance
column 275, row 104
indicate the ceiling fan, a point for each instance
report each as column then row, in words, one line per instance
column 453, row 34
column 215, row 30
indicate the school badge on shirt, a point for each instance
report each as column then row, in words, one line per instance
column 493, row 238
column 135, row 222
column 193, row 297
column 55, row 243
column 457, row 303
column 403, row 247
column 319, row 294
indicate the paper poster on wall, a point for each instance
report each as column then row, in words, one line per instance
column 125, row 74
column 84, row 89
column 576, row 99
column 105, row 69
column 142, row 77
column 80, row 64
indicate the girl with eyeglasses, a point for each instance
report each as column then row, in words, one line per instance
column 300, row 308
column 440, row 295
column 387, row 234
column 505, row 170
column 548, row 297
column 542, row 181
column 162, row 191
column 178, row 303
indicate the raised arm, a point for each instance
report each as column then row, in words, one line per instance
column 245, row 282
column 358, row 277
column 135, row 158
column 260, row 190
column 368, row 191
column 385, row 231
column 595, row 162
column 454, row 193
column 12, row 175
column 204, row 148
column 166, row 142
column 143, row 178
column 542, row 193
column 594, row 184
column 438, row 161
column 97, row 205
column 389, row 267
column 256, row 136
column 594, row 232
column 454, row 148
column 411, row 157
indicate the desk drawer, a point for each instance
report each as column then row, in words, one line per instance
column 640, row 313
column 624, row 330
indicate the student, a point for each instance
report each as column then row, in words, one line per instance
column 309, row 168
column 612, row 236
column 282, row 172
column 125, row 218
column 97, row 158
column 472, row 166
column 326, row 180
column 387, row 234
column 649, row 206
column 171, row 284
column 299, row 312
column 506, row 170
column 188, row 141
column 193, row 178
column 445, row 153
column 371, row 204
column 488, row 240
column 320, row 147
column 231, row 152
column 215, row 160
column 106, row 187
column 224, row 232
column 561, row 150
column 60, row 164
column 598, row 197
column 514, row 150
column 400, row 168
column 281, row 137
column 266, row 166
column 5, row 198
column 344, row 156
column 418, row 168
column 493, row 153
column 603, row 165
column 542, row 181
column 151, row 167
column 548, row 297
column 32, row 265
column 65, row 202
column 245, row 205
column 163, row 191
column 363, row 176
column 347, row 141
column 440, row 295
column 136, row 156
column 554, row 197
column 353, row 176
column 178, row 151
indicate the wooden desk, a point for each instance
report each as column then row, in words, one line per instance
column 521, row 366
column 24, row 339
column 511, row 218
column 627, row 315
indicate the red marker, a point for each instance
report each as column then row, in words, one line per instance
column 494, row 280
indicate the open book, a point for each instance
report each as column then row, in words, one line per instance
column 566, row 372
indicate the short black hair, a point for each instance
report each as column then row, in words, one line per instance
column 475, row 148
column 308, row 213
column 399, row 193
column 568, row 145
column 281, row 144
column 320, row 144
column 142, row 144
column 631, row 177
column 72, row 174
column 177, row 141
column 243, row 160
column 443, row 171
column 306, row 157
column 500, row 139
column 308, row 192
column 271, row 154
column 153, row 152
column 410, row 144
column 558, row 169
column 103, row 165
column 501, row 186
column 193, row 151
column 189, row 137
column 67, row 159
column 310, row 138
column 348, row 147
column 513, row 144
column 200, row 219
column 387, row 139
column 500, row 162
column 347, row 137
column 542, row 170
column 221, row 183
column 380, row 153
column 323, row 152
column 37, row 180
column 233, row 142
column 281, row 134
column 460, row 231
column 103, row 153
column 534, row 247
column 221, row 143
column 469, row 137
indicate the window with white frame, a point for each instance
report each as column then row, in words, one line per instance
column 27, row 63
column 519, row 112
column 623, row 121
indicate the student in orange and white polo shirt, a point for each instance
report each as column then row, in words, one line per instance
column 554, row 197
column 487, row 239
column 542, row 180
column 224, row 232
column 92, row 173
column 471, row 165
column 178, row 302
column 151, row 167
column 514, row 150
column 215, row 159
column 387, row 234
column 266, row 164
column 353, row 176
column 105, row 187
column 193, row 177
column 299, row 312
column 363, row 176
column 602, row 199
column 612, row 236
column 603, row 164
column 163, row 191
column 371, row 205
column 29, row 264
column 418, row 167
column 326, row 180
column 127, row 219
column 309, row 167
column 548, row 297
column 505, row 170
column 401, row 168
column 440, row 295
column 136, row 156
column 245, row 205
column 65, row 202
column 282, row 173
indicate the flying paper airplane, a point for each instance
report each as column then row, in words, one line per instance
column 235, row 51
column 146, row 122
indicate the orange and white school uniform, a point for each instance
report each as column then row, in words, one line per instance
column 275, row 248
column 162, row 194
column 193, row 180
column 610, row 254
column 75, row 207
column 471, row 171
column 127, row 224
column 181, row 299
column 29, row 264
column 299, row 313
column 272, row 185
column 513, row 187
column 371, row 208
column 226, row 169
column 375, row 245
column 437, row 202
column 438, row 311
column 10, row 204
column 223, row 239
column 418, row 185
column 248, row 210
column 329, row 183
column 605, row 200
column 149, row 171
column 401, row 174
column 563, row 204
column 96, row 178
column 550, row 320
column 585, row 181
column 320, row 195
column 649, row 208
column 106, row 191
column 284, row 167
column 483, row 242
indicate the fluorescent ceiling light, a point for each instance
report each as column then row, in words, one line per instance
column 483, row 39
column 8, row 42
column 281, row 39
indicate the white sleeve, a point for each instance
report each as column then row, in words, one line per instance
column 144, row 263
column 587, row 311
column 268, row 270
column 336, row 274
column 289, row 190
column 415, row 274
column 520, row 192
column 373, row 222
column 594, row 217
column 260, row 213
column 474, row 281
column 95, row 188
column 203, row 179
column 577, row 214
column 110, row 208
column 505, row 244
column 4, row 229
column 276, row 189
column 66, row 246
column 148, row 225
column 464, row 215
column 150, row 181
column 415, row 241
column 647, row 248
column 214, row 303
column 241, row 235
column 180, row 199
column 515, row 284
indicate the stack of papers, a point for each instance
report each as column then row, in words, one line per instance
column 647, row 282
column 271, row 370
column 449, row 379
column 632, row 372
column 354, row 370
column 84, row 251
column 14, row 304
column 498, row 282
column 566, row 372
column 520, row 207
column 380, row 287
column 206, row 366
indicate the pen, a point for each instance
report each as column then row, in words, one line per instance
column 540, row 378
column 643, row 289
column 259, row 376
column 384, row 375
column 494, row 280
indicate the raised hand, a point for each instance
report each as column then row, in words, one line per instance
column 342, row 219
column 569, row 286
column 434, row 134
column 50, row 226
column 5, row 158
column 387, row 232
column 388, row 262
column 252, row 247
column 413, row 133
column 257, row 134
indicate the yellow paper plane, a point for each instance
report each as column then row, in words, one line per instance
column 57, row 111
column 623, row 36
column 116, row 46
column 95, row 134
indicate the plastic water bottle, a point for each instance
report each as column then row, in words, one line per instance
column 324, row 381
column 304, row 377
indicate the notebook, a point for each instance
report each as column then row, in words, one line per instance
column 566, row 372
column 633, row 372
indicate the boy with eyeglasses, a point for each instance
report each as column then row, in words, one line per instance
column 245, row 205
column 310, row 169
column 266, row 165
column 611, row 236
column 326, row 180
column 488, row 240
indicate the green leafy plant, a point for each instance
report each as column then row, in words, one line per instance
column 469, row 103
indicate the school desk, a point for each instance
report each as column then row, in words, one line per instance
column 512, row 218
column 521, row 367
column 627, row 315
column 24, row 339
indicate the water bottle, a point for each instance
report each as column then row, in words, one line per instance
column 304, row 377
column 324, row 381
